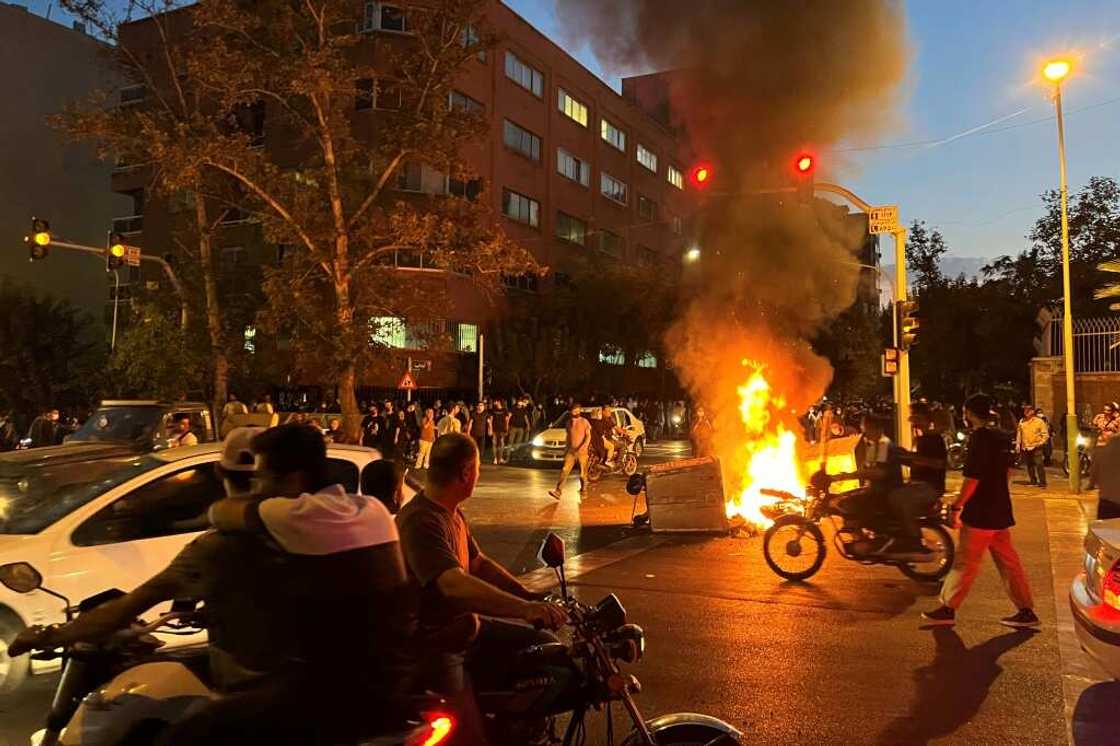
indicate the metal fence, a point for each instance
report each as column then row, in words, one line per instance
column 1096, row 343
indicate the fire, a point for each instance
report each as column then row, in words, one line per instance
column 769, row 457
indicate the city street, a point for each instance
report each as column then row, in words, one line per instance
column 839, row 660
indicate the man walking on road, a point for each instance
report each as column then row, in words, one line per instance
column 982, row 511
column 579, row 447
column 1030, row 440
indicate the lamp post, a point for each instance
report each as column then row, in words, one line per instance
column 1056, row 71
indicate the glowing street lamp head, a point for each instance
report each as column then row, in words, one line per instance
column 693, row 254
column 1056, row 70
column 700, row 176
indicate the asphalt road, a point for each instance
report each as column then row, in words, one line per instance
column 840, row 660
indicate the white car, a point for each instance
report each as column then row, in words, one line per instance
column 550, row 444
column 91, row 518
column 1095, row 596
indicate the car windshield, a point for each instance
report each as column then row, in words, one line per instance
column 561, row 422
column 120, row 425
column 33, row 496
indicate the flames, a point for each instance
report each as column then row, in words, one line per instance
column 772, row 455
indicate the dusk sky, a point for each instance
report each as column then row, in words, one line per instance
column 975, row 63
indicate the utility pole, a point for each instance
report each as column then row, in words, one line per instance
column 481, row 361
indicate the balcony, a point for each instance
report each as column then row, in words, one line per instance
column 128, row 226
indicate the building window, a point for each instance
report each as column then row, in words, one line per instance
column 133, row 94
column 384, row 17
column 569, row 228
column 675, row 177
column 573, row 168
column 647, row 158
column 676, row 224
column 410, row 177
column 612, row 135
column 249, row 338
column 231, row 258
column 469, row 37
column 363, row 94
column 469, row 189
column 647, row 256
column 524, row 75
column 647, row 208
column 611, row 355
column 647, row 360
column 610, row 243
column 387, row 95
column 459, row 101
column 612, row 188
column 387, row 331
column 520, row 208
column 467, row 338
column 528, row 283
column 572, row 108
column 522, row 140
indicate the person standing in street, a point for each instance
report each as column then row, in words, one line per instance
column 1106, row 474
column 43, row 429
column 479, row 427
column 499, row 426
column 1030, row 440
column 264, row 406
column 700, row 434
column 450, row 422
column 9, row 440
column 578, row 449
column 983, row 513
column 519, row 422
column 427, row 438
column 234, row 406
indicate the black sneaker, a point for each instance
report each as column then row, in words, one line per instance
column 1024, row 619
column 940, row 615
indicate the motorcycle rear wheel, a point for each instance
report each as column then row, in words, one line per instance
column 788, row 540
column 937, row 538
column 688, row 734
column 629, row 464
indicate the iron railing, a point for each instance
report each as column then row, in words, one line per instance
column 1096, row 343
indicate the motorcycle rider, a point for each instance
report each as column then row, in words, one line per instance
column 879, row 471
column 276, row 607
column 911, row 501
column 454, row 577
column 603, row 430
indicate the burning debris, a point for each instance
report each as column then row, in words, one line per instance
column 753, row 83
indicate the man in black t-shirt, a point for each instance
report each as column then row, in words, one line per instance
column 982, row 511
column 927, row 483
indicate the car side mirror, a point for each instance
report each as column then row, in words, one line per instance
column 552, row 551
column 20, row 577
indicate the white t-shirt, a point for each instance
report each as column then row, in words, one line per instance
column 331, row 520
column 449, row 424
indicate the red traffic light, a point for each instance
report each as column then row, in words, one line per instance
column 805, row 163
column 700, row 175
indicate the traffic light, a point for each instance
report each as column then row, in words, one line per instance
column 908, row 323
column 804, row 165
column 39, row 239
column 114, row 252
column 700, row 176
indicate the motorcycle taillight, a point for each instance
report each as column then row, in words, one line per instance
column 437, row 729
column 1110, row 587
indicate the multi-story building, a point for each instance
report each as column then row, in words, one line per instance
column 580, row 174
column 47, row 66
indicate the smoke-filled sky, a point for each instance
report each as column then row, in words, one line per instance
column 973, row 63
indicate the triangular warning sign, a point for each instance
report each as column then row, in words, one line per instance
column 407, row 382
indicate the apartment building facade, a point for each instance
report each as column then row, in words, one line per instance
column 580, row 175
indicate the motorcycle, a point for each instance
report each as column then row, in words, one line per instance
column 956, row 449
column 558, row 679
column 1084, row 459
column 122, row 692
column 794, row 546
column 625, row 460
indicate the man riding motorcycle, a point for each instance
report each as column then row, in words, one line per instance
column 911, row 501
column 276, row 605
column 603, row 431
column 457, row 582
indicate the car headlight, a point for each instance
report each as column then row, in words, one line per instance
column 960, row 437
column 538, row 441
column 676, row 419
column 1082, row 441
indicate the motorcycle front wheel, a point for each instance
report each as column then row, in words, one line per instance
column 938, row 540
column 956, row 458
column 688, row 734
column 794, row 547
column 629, row 464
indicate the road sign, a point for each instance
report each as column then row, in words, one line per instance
column 132, row 256
column 882, row 219
column 421, row 364
column 889, row 362
column 407, row 382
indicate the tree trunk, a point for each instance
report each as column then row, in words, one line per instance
column 344, row 312
column 219, row 361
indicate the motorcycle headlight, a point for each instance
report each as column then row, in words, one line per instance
column 538, row 441
column 960, row 437
column 627, row 643
column 1082, row 441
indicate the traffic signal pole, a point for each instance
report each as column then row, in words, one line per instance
column 167, row 270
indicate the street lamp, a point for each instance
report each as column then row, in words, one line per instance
column 693, row 254
column 1056, row 71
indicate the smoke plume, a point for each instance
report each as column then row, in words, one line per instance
column 751, row 83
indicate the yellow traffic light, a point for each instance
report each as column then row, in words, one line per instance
column 117, row 250
column 42, row 238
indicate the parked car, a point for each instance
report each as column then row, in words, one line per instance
column 143, row 425
column 108, row 519
column 549, row 445
column 1095, row 596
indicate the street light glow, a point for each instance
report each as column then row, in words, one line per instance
column 1056, row 70
column 693, row 254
